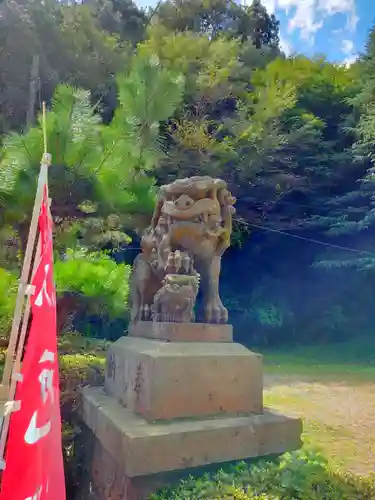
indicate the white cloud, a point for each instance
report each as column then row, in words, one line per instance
column 304, row 19
column 333, row 6
column 270, row 5
column 348, row 61
column 286, row 47
column 352, row 22
column 347, row 47
column 308, row 16
column 341, row 6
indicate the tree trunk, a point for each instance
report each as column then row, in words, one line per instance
column 30, row 117
column 65, row 308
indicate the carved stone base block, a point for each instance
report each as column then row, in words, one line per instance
column 167, row 380
column 132, row 457
column 182, row 332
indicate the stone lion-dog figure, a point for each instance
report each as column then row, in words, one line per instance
column 189, row 232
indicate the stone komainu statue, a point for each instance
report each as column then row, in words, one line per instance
column 182, row 250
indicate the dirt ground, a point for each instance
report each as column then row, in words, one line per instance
column 338, row 417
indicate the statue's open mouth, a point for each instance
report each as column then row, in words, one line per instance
column 194, row 212
column 198, row 221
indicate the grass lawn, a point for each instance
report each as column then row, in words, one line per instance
column 332, row 388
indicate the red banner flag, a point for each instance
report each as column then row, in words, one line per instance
column 33, row 461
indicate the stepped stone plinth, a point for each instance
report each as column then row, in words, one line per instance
column 171, row 406
column 178, row 395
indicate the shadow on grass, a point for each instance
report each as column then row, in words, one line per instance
column 350, row 362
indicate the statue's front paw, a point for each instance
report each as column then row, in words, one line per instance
column 216, row 312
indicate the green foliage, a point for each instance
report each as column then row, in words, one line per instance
column 210, row 67
column 9, row 248
column 8, row 293
column 269, row 316
column 70, row 47
column 97, row 278
column 302, row 475
column 352, row 212
column 90, row 54
column 100, row 182
column 240, row 232
column 81, row 363
column 286, row 120
column 132, row 145
column 365, row 102
column 121, row 18
column 73, row 134
column 106, row 166
column 264, row 310
column 195, row 88
column 218, row 17
column 198, row 88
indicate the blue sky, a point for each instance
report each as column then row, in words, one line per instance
column 337, row 28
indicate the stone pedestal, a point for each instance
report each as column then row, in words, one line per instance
column 182, row 332
column 171, row 406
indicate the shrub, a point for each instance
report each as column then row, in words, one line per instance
column 91, row 288
column 302, row 475
column 81, row 363
column 8, row 293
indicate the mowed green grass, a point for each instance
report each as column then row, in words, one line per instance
column 350, row 361
column 332, row 388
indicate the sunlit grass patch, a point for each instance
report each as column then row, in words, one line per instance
column 336, row 401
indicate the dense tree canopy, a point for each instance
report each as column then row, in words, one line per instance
column 220, row 17
column 139, row 98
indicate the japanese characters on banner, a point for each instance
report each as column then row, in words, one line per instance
column 33, row 460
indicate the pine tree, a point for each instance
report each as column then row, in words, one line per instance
column 97, row 170
column 352, row 213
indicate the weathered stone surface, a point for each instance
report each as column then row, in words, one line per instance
column 109, row 482
column 182, row 332
column 167, row 380
column 143, row 448
column 189, row 232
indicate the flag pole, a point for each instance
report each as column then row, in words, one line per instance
column 22, row 312
column 25, row 274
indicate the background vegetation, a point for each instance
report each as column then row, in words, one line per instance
column 137, row 98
